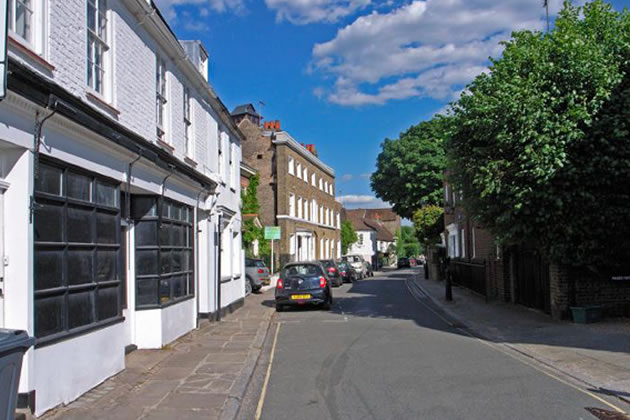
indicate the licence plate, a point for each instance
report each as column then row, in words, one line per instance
column 300, row 297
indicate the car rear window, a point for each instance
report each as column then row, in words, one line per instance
column 260, row 263
column 326, row 263
column 302, row 270
column 353, row 258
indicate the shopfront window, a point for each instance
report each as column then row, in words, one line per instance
column 164, row 251
column 78, row 259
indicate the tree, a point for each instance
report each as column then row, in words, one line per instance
column 541, row 144
column 406, row 243
column 428, row 223
column 348, row 236
column 409, row 170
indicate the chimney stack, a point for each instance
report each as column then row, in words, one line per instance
column 272, row 125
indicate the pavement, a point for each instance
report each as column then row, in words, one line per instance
column 598, row 355
column 202, row 375
column 387, row 351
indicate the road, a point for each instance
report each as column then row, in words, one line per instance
column 382, row 353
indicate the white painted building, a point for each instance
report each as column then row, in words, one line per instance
column 119, row 167
column 373, row 236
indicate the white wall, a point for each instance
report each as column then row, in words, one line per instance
column 366, row 249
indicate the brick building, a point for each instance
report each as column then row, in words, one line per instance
column 520, row 273
column 296, row 191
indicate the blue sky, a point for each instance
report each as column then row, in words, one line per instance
column 345, row 74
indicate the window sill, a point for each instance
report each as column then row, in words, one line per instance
column 28, row 53
column 226, row 279
column 88, row 329
column 190, row 161
column 165, row 145
column 98, row 100
column 165, row 305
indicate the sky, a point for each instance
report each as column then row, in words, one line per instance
column 346, row 74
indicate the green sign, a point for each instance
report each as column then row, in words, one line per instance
column 272, row 232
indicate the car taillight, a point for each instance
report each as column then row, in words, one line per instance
column 260, row 271
column 280, row 284
column 332, row 270
column 322, row 282
column 343, row 273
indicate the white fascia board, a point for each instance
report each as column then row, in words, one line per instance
column 171, row 46
column 282, row 137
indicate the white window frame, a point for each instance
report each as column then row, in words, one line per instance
column 36, row 40
column 299, row 170
column 220, row 156
column 188, row 125
column 299, row 207
column 232, row 157
column 313, row 179
column 292, row 244
column 321, row 184
column 292, row 205
column 326, row 187
column 305, row 178
column 161, row 99
column 98, row 60
column 291, row 166
column 463, row 243
column 306, row 206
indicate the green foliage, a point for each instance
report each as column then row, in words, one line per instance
column 428, row 223
column 409, row 170
column 251, row 232
column 406, row 243
column 348, row 236
column 541, row 145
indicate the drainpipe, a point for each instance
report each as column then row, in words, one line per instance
column 37, row 141
column 219, row 246
column 196, row 245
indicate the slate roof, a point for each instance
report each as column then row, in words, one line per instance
column 245, row 109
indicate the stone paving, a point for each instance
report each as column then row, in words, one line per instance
column 595, row 354
column 203, row 375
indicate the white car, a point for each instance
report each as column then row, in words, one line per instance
column 357, row 263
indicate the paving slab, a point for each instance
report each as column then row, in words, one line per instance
column 202, row 375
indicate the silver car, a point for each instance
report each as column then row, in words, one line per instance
column 358, row 264
column 256, row 274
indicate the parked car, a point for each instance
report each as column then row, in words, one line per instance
column 303, row 283
column 347, row 273
column 358, row 265
column 403, row 262
column 333, row 272
column 256, row 274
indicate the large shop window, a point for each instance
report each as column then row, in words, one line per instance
column 164, row 251
column 78, row 260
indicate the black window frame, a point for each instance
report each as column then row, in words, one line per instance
column 66, row 286
column 161, row 217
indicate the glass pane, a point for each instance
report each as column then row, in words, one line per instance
column 106, row 231
column 166, row 233
column 80, row 309
column 146, row 293
column 146, row 262
column 80, row 266
column 179, row 286
column 175, row 212
column 143, row 207
column 165, row 290
column 48, row 269
column 191, row 284
column 48, row 223
column 177, row 262
column 106, row 265
column 78, row 186
column 48, row 180
column 106, row 194
column 179, row 235
column 79, row 225
column 49, row 315
column 146, row 233
column 91, row 12
column 185, row 260
column 165, row 262
column 107, row 305
column 189, row 237
column 166, row 209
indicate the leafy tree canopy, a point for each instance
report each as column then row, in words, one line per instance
column 541, row 144
column 428, row 223
column 406, row 243
column 409, row 170
column 348, row 236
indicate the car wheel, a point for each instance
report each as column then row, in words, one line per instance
column 327, row 305
column 279, row 308
column 248, row 287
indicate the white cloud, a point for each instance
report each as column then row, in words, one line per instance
column 168, row 8
column 426, row 48
column 363, row 201
column 302, row 12
column 346, row 177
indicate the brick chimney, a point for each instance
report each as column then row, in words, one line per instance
column 272, row 125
